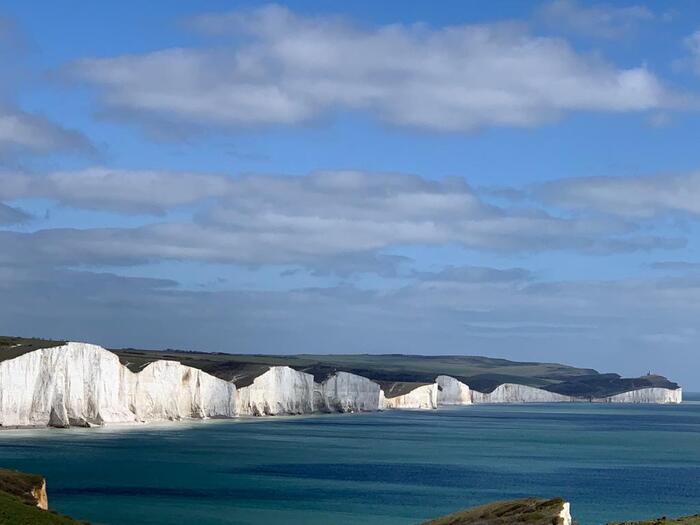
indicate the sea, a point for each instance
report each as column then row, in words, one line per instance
column 612, row 462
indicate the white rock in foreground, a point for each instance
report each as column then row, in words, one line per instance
column 452, row 391
column 646, row 395
column 422, row 397
column 514, row 393
column 345, row 392
column 565, row 514
column 279, row 391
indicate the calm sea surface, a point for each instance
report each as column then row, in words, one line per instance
column 392, row 468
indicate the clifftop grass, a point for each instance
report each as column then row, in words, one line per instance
column 396, row 373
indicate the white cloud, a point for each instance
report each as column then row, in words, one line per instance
column 634, row 197
column 693, row 44
column 127, row 191
column 600, row 21
column 10, row 215
column 26, row 132
column 289, row 69
column 312, row 220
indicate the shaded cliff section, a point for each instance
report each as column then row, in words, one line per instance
column 397, row 374
column 23, row 501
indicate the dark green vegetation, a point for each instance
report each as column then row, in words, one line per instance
column 531, row 511
column 18, row 505
column 11, row 347
column 396, row 373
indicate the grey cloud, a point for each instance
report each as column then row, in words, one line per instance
column 680, row 266
column 632, row 197
column 126, row 191
column 616, row 325
column 476, row 274
column 25, row 132
column 600, row 21
column 10, row 215
column 310, row 220
column 289, row 69
column 22, row 132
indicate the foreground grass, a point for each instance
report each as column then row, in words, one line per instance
column 529, row 511
column 13, row 511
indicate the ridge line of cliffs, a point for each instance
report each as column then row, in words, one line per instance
column 79, row 384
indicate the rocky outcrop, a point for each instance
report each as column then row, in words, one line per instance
column 279, row 391
column 452, row 392
column 646, row 395
column 345, row 392
column 422, row 397
column 512, row 393
column 40, row 496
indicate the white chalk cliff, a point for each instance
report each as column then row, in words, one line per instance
column 422, row 397
column 80, row 384
column 279, row 391
column 513, row 393
column 452, row 392
column 170, row 390
column 345, row 392
column 646, row 395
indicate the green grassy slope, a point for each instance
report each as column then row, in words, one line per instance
column 529, row 511
column 396, row 373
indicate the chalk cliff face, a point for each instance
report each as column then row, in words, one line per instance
column 512, row 393
column 646, row 395
column 452, row 392
column 168, row 390
column 422, row 397
column 345, row 392
column 83, row 385
column 279, row 391
column 80, row 384
column 75, row 384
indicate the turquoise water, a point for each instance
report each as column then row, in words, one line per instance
column 392, row 468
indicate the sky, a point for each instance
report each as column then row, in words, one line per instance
column 512, row 179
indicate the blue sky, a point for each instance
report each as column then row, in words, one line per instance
column 518, row 180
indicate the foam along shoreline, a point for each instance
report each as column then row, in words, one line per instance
column 84, row 385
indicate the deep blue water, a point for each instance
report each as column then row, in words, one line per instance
column 391, row 468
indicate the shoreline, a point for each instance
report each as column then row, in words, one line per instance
column 193, row 422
